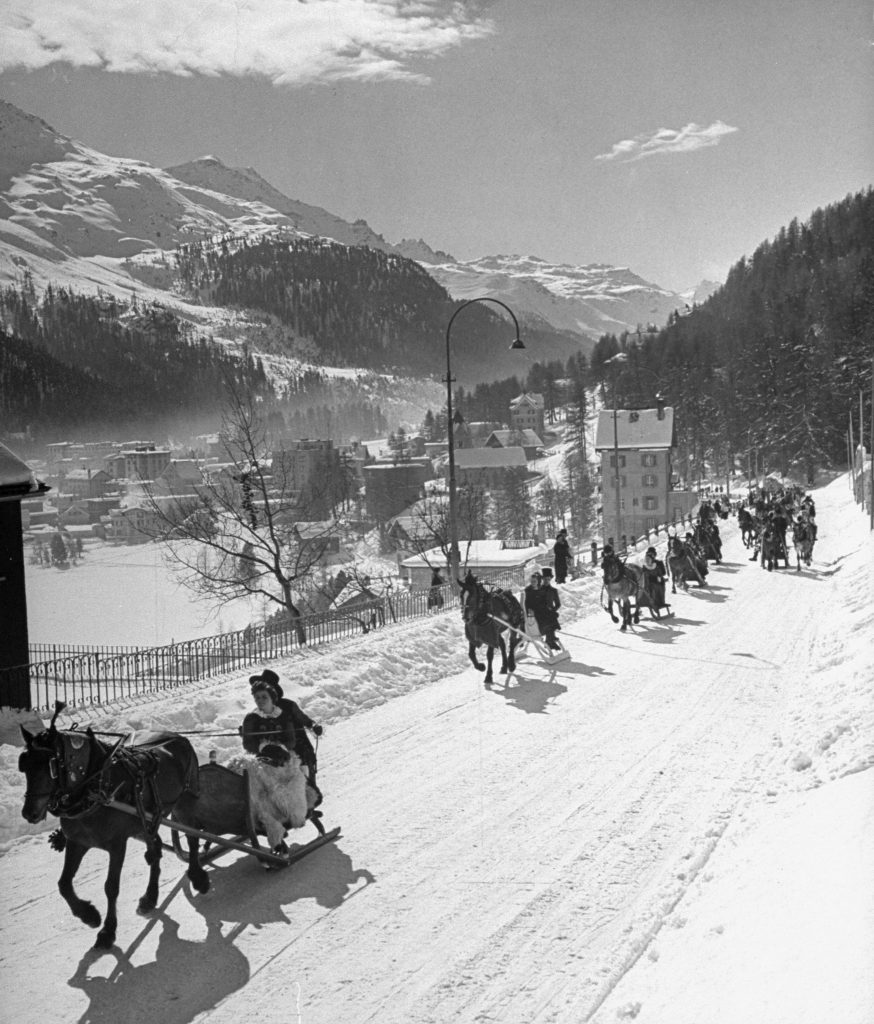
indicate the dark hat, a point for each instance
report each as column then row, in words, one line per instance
column 266, row 680
column 560, row 532
column 546, row 572
column 650, row 551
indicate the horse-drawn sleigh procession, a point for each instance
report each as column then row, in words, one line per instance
column 105, row 792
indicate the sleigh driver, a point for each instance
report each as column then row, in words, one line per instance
column 278, row 720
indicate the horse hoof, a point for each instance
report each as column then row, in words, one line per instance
column 503, row 671
column 479, row 667
column 105, row 940
column 145, row 907
column 622, row 628
column 90, row 915
column 488, row 681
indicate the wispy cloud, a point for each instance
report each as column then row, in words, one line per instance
column 668, row 140
column 287, row 41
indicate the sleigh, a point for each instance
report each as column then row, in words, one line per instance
column 223, row 818
column 531, row 637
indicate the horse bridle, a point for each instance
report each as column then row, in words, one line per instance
column 51, row 755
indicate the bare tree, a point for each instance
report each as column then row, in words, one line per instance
column 431, row 520
column 237, row 535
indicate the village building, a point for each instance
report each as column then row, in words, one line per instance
column 311, row 470
column 87, row 483
column 527, row 440
column 643, row 441
column 507, row 562
column 487, row 468
column 526, row 412
column 390, row 487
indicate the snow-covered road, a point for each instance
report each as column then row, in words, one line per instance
column 514, row 854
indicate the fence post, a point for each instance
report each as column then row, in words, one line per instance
column 594, row 549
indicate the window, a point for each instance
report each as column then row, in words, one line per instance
column 652, row 523
column 622, row 504
column 647, row 459
column 650, row 503
column 635, row 501
column 633, row 417
column 621, row 461
column 650, row 480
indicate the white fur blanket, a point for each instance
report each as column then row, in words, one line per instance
column 277, row 796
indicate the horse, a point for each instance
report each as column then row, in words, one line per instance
column 749, row 528
column 683, row 565
column 621, row 583
column 773, row 548
column 73, row 775
column 480, row 608
column 250, row 796
column 802, row 541
column 706, row 536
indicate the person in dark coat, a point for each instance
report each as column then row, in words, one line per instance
column 435, row 594
column 654, row 576
column 541, row 600
column 278, row 719
column 562, row 552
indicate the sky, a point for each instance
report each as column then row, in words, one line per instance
column 670, row 136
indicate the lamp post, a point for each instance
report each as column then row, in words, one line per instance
column 620, row 357
column 454, row 553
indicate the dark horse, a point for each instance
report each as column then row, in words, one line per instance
column 749, row 527
column 683, row 565
column 73, row 775
column 622, row 582
column 480, row 607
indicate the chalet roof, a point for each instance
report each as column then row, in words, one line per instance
column 490, row 458
column 316, row 530
column 510, row 438
column 636, row 428
column 532, row 398
column 482, row 554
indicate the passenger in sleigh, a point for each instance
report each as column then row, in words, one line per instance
column 278, row 720
column 540, row 600
column 654, row 576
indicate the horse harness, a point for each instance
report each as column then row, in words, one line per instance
column 78, row 792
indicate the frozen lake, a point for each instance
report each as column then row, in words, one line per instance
column 123, row 595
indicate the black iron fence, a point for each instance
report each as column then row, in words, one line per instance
column 81, row 675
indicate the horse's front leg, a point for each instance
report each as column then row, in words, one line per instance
column 625, row 608
column 112, row 885
column 511, row 654
column 149, row 899
column 471, row 653
column 85, row 911
column 503, row 647
column 490, row 654
column 610, row 609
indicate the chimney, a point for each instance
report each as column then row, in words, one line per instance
column 660, row 407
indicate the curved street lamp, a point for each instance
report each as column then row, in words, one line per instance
column 454, row 553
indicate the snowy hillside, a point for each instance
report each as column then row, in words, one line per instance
column 592, row 300
column 674, row 827
column 71, row 215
